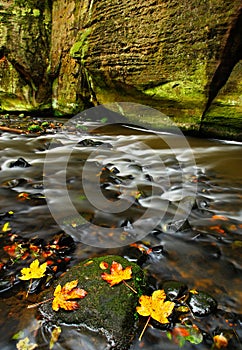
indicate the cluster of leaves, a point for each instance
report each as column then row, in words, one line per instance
column 153, row 306
column 24, row 343
column 18, row 252
column 22, row 124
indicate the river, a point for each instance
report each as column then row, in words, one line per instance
column 156, row 176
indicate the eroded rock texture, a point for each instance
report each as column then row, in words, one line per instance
column 25, row 28
column 172, row 55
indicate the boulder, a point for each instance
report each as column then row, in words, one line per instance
column 107, row 310
column 182, row 58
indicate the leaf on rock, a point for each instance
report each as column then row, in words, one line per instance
column 62, row 296
column 118, row 274
column 103, row 265
column 35, row 270
column 155, row 306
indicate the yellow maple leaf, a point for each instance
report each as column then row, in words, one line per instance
column 35, row 270
column 155, row 306
column 118, row 274
column 63, row 294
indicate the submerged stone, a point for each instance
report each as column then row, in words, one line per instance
column 106, row 310
column 19, row 163
column 174, row 289
column 201, row 304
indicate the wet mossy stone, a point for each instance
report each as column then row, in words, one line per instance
column 201, row 303
column 174, row 289
column 107, row 310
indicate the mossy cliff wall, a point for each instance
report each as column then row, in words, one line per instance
column 174, row 56
column 25, row 28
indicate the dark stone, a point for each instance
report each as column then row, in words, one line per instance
column 20, row 163
column 106, row 310
column 201, row 304
column 90, row 143
column 174, row 289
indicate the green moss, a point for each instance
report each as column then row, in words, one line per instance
column 109, row 310
column 80, row 48
column 36, row 12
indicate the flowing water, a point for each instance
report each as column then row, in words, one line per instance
column 186, row 199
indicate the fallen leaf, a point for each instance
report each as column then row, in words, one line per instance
column 23, row 196
column 186, row 332
column 24, row 344
column 193, row 291
column 118, row 274
column 62, row 296
column 220, row 341
column 155, row 306
column 35, row 270
column 6, row 227
column 54, row 336
column 103, row 265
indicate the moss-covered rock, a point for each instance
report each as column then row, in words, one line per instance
column 170, row 55
column 224, row 117
column 105, row 309
column 161, row 54
column 24, row 55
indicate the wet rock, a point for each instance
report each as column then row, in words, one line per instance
column 201, row 304
column 106, row 310
column 92, row 143
column 20, row 163
column 174, row 289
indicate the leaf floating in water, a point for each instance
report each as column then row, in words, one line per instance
column 35, row 270
column 23, row 196
column 185, row 332
column 54, row 336
column 6, row 227
column 155, row 307
column 24, row 344
column 219, row 217
column 220, row 341
column 62, row 296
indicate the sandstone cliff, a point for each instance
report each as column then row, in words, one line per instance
column 176, row 56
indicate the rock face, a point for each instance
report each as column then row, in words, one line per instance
column 25, row 28
column 173, row 56
column 107, row 310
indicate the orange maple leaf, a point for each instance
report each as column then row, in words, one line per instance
column 220, row 341
column 62, row 296
column 118, row 274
